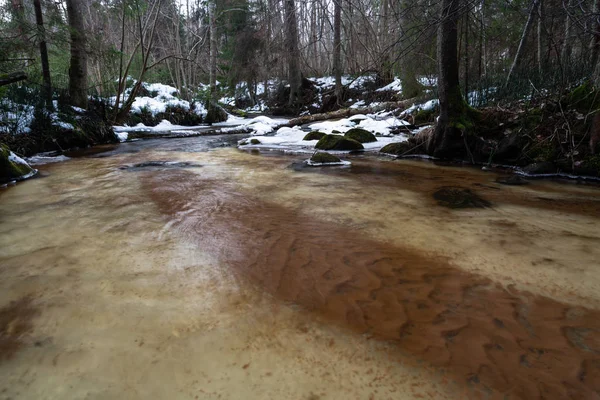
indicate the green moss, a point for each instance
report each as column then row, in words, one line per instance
column 583, row 98
column 314, row 135
column 361, row 135
column 10, row 170
column 397, row 149
column 423, row 116
column 324, row 158
column 254, row 141
column 467, row 119
column 337, row 142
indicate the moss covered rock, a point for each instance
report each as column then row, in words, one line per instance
column 324, row 158
column 316, row 135
column 254, row 141
column 337, row 142
column 423, row 116
column 12, row 167
column 361, row 135
column 396, row 149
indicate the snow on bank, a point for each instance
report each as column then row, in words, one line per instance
column 427, row 106
column 291, row 139
column 258, row 126
column 381, row 127
column 262, row 124
column 161, row 97
column 163, row 126
column 395, row 86
column 12, row 157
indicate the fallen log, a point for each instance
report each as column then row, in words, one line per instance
column 7, row 79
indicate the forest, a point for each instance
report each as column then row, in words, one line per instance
column 516, row 80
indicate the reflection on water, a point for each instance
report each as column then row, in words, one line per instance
column 122, row 277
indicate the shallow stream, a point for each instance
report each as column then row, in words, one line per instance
column 183, row 268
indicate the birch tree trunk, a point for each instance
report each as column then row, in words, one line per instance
column 337, row 47
column 521, row 47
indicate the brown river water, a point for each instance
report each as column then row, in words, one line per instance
column 229, row 275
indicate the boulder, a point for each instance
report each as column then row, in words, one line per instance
column 254, row 141
column 396, row 149
column 316, row 135
column 361, row 135
column 12, row 167
column 324, row 158
column 337, row 142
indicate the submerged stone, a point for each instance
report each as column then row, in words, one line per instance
column 513, row 180
column 458, row 197
column 161, row 164
column 337, row 142
column 316, row 135
column 361, row 135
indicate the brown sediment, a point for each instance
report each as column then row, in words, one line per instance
column 500, row 341
column 15, row 325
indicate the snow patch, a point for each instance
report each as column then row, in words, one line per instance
column 395, row 86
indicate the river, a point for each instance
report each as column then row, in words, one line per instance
column 185, row 268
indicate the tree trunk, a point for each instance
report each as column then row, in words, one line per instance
column 213, row 48
column 447, row 140
column 540, row 32
column 521, row 47
column 47, row 85
column 595, row 42
column 565, row 53
column 214, row 113
column 293, row 55
column 78, row 67
column 337, row 49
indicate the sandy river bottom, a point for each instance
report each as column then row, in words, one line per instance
column 226, row 275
